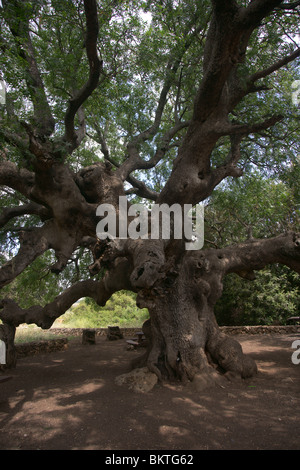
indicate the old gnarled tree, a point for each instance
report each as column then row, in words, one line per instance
column 85, row 79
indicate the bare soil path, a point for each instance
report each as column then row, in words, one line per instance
column 69, row 401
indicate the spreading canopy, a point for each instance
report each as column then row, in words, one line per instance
column 159, row 101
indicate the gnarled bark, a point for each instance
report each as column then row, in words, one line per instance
column 44, row 316
column 184, row 337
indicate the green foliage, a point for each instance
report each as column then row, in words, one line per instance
column 32, row 333
column 36, row 285
column 271, row 298
column 120, row 310
column 136, row 55
column 255, row 207
column 251, row 207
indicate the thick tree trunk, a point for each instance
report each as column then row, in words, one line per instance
column 184, row 338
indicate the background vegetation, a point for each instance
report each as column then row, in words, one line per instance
column 120, row 310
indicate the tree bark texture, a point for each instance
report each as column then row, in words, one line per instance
column 185, row 339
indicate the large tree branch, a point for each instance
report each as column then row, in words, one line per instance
column 253, row 255
column 237, row 91
column 276, row 66
column 134, row 161
column 226, row 47
column 9, row 213
column 19, row 26
column 253, row 14
column 246, row 129
column 222, row 52
column 21, row 180
column 95, row 69
column 220, row 90
column 11, row 313
column 100, row 291
column 32, row 244
column 138, row 187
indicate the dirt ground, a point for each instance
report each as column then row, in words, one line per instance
column 69, row 401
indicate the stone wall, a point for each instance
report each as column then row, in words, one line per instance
column 60, row 344
column 99, row 331
column 261, row 330
column 229, row 330
column 37, row 347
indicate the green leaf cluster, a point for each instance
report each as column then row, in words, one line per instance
column 270, row 299
column 251, row 207
column 255, row 207
column 120, row 310
column 37, row 285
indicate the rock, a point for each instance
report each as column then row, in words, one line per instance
column 88, row 336
column 38, row 347
column 202, row 382
column 139, row 380
column 249, row 367
column 208, row 379
column 114, row 333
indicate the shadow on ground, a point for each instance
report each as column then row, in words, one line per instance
column 69, row 400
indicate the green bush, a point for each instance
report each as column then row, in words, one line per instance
column 271, row 298
column 32, row 333
column 120, row 309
